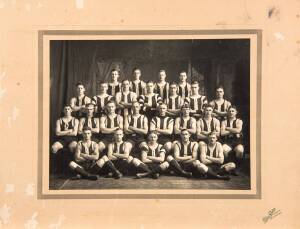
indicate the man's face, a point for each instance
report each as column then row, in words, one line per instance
column 208, row 111
column 212, row 139
column 220, row 93
column 162, row 76
column 111, row 108
column 136, row 108
column 173, row 89
column 150, row 87
column 194, row 88
column 114, row 75
column 162, row 109
column 182, row 77
column 232, row 113
column 125, row 85
column 185, row 136
column 80, row 89
column 152, row 138
column 90, row 110
column 118, row 136
column 185, row 111
column 103, row 88
column 87, row 134
column 67, row 110
column 137, row 74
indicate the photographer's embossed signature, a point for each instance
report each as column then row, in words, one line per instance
column 271, row 214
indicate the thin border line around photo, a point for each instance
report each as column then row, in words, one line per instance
column 42, row 33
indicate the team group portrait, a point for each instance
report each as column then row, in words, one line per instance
column 150, row 114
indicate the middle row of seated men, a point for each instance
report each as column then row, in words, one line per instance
column 136, row 127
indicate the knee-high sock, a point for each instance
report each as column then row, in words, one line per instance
column 212, row 174
column 85, row 174
column 112, row 167
column 144, row 167
column 176, row 166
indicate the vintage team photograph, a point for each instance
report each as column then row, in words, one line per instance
column 149, row 114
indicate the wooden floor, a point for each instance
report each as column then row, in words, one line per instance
column 241, row 182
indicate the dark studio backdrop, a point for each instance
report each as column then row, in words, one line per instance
column 211, row 62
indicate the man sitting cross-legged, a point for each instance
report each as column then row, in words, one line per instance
column 212, row 158
column 86, row 155
column 185, row 155
column 152, row 159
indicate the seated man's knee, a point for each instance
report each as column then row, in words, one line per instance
column 165, row 165
column 170, row 158
column 168, row 146
column 196, row 163
column 72, row 165
column 226, row 149
column 100, row 162
column 239, row 151
column 56, row 146
column 143, row 146
column 72, row 146
column 101, row 146
column 136, row 162
column 202, row 168
column 129, row 159
column 202, row 143
column 229, row 166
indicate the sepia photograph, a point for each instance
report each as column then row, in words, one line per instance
column 149, row 114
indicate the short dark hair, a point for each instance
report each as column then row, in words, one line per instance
column 79, row 83
column 134, row 69
column 149, row 81
column 115, row 70
column 124, row 80
column 185, row 106
column 184, row 130
column 195, row 82
column 207, row 105
column 232, row 107
column 183, row 71
column 86, row 128
column 172, row 83
column 219, row 87
column 162, row 70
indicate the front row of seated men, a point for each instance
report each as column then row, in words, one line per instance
column 188, row 146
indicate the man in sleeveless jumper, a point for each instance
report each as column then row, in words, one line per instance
column 125, row 98
column 108, row 125
column 231, row 131
column 184, row 159
column 174, row 101
column 137, row 85
column 86, row 155
column 185, row 121
column 114, row 86
column 196, row 101
column 119, row 154
column 90, row 121
column 101, row 99
column 78, row 103
column 206, row 125
column 65, row 140
column 136, row 127
column 151, row 161
column 212, row 159
column 162, row 87
column 219, row 104
column 184, row 87
column 150, row 101
column 163, row 125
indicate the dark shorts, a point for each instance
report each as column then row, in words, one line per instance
column 122, row 165
column 89, row 166
column 163, row 139
column 215, row 167
column 66, row 140
column 189, row 167
column 135, row 139
column 233, row 142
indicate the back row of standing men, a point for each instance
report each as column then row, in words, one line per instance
column 133, row 106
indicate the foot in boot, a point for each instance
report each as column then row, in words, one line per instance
column 118, row 175
column 141, row 175
column 155, row 176
column 187, row 174
column 223, row 177
column 92, row 177
column 233, row 173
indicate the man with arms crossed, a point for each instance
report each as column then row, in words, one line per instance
column 137, row 85
column 109, row 124
column 174, row 101
column 114, row 86
column 231, row 131
column 196, row 101
column 212, row 159
column 219, row 104
column 162, row 87
column 184, row 87
column 101, row 100
column 78, row 103
column 152, row 159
